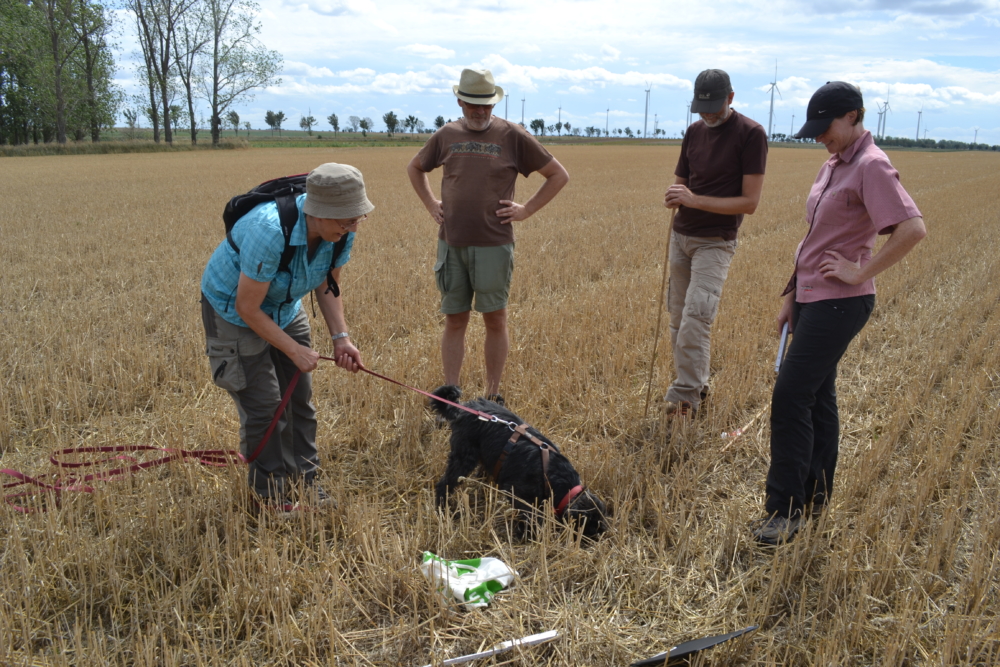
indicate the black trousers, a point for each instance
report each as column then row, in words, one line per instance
column 805, row 425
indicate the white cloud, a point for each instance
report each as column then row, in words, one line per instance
column 345, row 8
column 428, row 51
column 527, row 77
column 358, row 74
column 520, row 49
column 293, row 68
column 335, row 7
column 610, row 53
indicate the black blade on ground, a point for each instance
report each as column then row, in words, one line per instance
column 693, row 646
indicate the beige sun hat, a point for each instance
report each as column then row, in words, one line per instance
column 336, row 191
column 477, row 87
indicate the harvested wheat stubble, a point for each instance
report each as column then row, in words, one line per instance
column 101, row 344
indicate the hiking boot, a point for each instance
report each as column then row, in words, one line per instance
column 498, row 399
column 682, row 409
column 776, row 530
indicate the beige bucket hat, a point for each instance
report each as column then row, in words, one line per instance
column 477, row 87
column 336, row 191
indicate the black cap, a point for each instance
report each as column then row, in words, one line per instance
column 711, row 89
column 831, row 101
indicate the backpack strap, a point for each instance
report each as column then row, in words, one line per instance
column 338, row 249
column 288, row 215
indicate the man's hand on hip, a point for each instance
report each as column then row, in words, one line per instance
column 512, row 212
column 436, row 209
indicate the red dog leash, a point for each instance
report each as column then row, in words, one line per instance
column 212, row 457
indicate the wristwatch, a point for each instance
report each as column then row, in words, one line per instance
column 338, row 336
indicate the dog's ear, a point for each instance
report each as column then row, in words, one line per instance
column 609, row 509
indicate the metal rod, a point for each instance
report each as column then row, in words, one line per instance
column 659, row 314
column 503, row 647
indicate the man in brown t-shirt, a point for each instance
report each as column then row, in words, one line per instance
column 719, row 178
column 482, row 156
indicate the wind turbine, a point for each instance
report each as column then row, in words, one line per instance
column 885, row 110
column 919, row 114
column 645, row 118
column 774, row 87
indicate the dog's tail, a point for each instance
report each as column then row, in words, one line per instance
column 449, row 392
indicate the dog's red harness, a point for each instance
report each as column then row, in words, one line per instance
column 519, row 431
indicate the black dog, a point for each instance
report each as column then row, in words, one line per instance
column 523, row 463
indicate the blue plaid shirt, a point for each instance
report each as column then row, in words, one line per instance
column 258, row 235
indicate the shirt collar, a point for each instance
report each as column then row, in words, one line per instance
column 862, row 142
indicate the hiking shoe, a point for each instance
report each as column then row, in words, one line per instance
column 498, row 399
column 682, row 409
column 278, row 508
column 776, row 530
column 321, row 497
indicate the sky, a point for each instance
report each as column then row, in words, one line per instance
column 589, row 62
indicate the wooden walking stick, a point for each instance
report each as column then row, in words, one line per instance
column 659, row 314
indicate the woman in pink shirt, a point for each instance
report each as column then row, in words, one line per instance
column 857, row 196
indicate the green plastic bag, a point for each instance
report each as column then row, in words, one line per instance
column 472, row 582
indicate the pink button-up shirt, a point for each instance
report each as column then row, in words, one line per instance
column 857, row 195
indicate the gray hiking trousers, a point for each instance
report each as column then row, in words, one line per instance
column 256, row 375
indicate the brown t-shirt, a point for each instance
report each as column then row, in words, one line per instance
column 480, row 169
column 714, row 161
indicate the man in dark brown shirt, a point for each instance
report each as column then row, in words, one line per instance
column 719, row 178
column 482, row 156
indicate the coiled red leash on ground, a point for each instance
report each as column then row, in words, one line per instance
column 210, row 457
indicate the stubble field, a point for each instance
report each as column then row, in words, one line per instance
column 101, row 344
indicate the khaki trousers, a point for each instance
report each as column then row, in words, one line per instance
column 256, row 375
column 698, row 269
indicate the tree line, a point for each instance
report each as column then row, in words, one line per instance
column 944, row 144
column 57, row 66
column 275, row 119
column 56, row 71
column 198, row 50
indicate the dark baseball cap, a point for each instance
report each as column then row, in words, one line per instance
column 831, row 101
column 710, row 91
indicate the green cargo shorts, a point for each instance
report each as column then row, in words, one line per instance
column 483, row 272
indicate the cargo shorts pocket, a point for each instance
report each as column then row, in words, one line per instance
column 224, row 360
column 441, row 268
